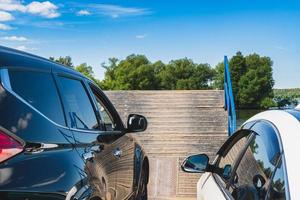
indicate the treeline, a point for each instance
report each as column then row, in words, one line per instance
column 292, row 92
column 251, row 75
column 287, row 97
column 83, row 68
column 136, row 72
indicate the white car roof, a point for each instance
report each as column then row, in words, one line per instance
column 288, row 126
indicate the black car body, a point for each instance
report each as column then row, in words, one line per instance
column 61, row 137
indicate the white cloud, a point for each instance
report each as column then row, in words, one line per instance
column 15, row 38
column 12, row 5
column 141, row 36
column 6, row 16
column 83, row 13
column 45, row 9
column 116, row 11
column 5, row 27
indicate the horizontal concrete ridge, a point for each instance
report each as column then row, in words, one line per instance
column 180, row 123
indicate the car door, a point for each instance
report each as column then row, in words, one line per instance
column 259, row 173
column 85, row 122
column 122, row 148
column 31, row 108
column 249, row 166
column 212, row 185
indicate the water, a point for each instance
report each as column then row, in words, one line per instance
column 244, row 114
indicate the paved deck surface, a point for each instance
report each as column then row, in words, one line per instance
column 180, row 123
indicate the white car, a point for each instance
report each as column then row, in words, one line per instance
column 259, row 161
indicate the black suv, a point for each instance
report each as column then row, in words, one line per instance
column 61, row 137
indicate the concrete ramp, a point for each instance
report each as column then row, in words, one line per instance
column 180, row 123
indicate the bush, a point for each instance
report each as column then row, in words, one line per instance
column 268, row 103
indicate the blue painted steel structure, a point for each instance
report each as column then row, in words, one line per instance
column 229, row 100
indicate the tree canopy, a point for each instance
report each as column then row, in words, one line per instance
column 83, row 68
column 287, row 97
column 67, row 61
column 252, row 80
column 184, row 74
column 251, row 75
column 136, row 72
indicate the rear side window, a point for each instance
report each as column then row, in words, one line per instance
column 79, row 110
column 39, row 90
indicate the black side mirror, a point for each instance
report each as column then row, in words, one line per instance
column 136, row 123
column 196, row 164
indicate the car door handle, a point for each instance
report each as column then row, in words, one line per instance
column 117, row 153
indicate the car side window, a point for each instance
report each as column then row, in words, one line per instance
column 79, row 110
column 277, row 187
column 107, row 120
column 40, row 91
column 255, row 170
column 229, row 159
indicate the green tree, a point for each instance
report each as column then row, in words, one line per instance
column 83, row 68
column 257, row 83
column 283, row 101
column 267, row 103
column 252, row 80
column 237, row 68
column 87, row 71
column 184, row 74
column 218, row 82
column 292, row 92
column 67, row 61
column 109, row 82
column 135, row 72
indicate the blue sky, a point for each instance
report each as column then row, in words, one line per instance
column 92, row 31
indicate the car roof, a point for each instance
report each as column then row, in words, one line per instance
column 295, row 113
column 288, row 126
column 10, row 58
